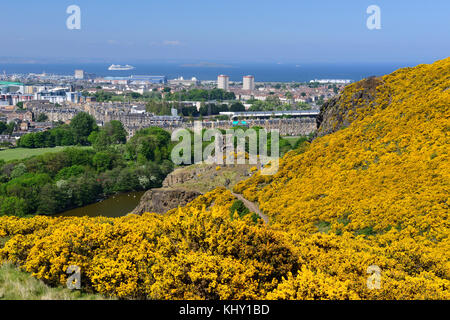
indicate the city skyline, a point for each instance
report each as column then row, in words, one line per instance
column 263, row 32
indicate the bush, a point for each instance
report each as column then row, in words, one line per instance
column 239, row 207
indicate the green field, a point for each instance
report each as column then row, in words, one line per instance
column 22, row 153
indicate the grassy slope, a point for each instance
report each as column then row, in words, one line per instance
column 22, row 153
column 18, row 285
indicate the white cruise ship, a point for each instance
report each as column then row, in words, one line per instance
column 118, row 67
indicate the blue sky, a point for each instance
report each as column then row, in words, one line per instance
column 227, row 31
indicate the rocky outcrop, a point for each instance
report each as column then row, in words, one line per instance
column 181, row 175
column 206, row 177
column 339, row 112
column 163, row 199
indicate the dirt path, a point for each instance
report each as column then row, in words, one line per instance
column 252, row 207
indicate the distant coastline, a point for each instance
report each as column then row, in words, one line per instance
column 263, row 72
column 206, row 65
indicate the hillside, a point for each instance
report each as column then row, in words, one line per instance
column 372, row 189
column 388, row 167
column 383, row 175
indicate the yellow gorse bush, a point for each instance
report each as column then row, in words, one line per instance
column 374, row 193
column 384, row 180
column 190, row 253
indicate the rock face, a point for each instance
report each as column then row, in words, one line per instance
column 163, row 199
column 181, row 175
column 335, row 113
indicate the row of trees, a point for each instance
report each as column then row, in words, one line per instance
column 273, row 103
column 185, row 95
column 106, row 96
column 200, row 95
column 77, row 133
column 163, row 108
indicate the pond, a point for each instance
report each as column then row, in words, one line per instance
column 114, row 206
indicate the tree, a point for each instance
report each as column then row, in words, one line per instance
column 102, row 96
column 82, row 125
column 2, row 127
column 26, row 141
column 158, row 108
column 67, row 138
column 78, row 156
column 303, row 106
column 135, row 95
column 210, row 109
column 102, row 161
column 320, row 101
column 49, row 200
column 19, row 170
column 10, row 127
column 68, row 172
column 271, row 103
column 151, row 143
column 93, row 137
column 127, row 180
column 42, row 117
column 39, row 140
column 12, row 206
column 116, row 131
column 111, row 133
column 239, row 207
column 237, row 107
column 223, row 108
